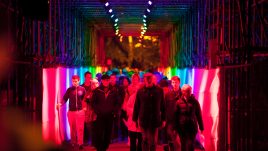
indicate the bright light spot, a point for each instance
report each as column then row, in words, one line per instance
column 106, row 4
column 110, row 10
column 148, row 10
column 138, row 44
column 150, row 2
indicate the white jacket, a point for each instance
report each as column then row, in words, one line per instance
column 130, row 107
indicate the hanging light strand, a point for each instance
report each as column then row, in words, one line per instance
column 145, row 18
column 113, row 17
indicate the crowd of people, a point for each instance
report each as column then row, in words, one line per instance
column 137, row 109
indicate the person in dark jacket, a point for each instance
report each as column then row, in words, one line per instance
column 171, row 98
column 105, row 105
column 87, row 86
column 120, row 99
column 149, row 112
column 188, row 117
column 76, row 113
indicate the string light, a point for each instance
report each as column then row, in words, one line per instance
column 114, row 19
column 145, row 18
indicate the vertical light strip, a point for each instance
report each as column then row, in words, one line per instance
column 214, row 89
column 169, row 72
column 57, row 112
column 189, row 77
column 202, row 88
column 67, row 104
column 193, row 76
column 45, row 128
column 75, row 71
column 98, row 69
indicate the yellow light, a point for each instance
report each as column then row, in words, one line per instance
column 130, row 40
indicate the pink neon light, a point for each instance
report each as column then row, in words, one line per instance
column 57, row 100
column 45, row 106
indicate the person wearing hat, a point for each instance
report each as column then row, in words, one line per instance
column 104, row 103
column 149, row 112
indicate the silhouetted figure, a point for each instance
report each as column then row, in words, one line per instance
column 188, row 117
column 149, row 112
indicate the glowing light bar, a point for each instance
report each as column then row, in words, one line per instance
column 149, row 2
column 110, row 10
column 148, row 10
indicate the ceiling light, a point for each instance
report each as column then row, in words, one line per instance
column 149, row 2
column 116, row 20
column 148, row 10
column 110, row 10
column 107, row 4
column 144, row 16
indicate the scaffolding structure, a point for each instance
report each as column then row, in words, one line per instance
column 238, row 44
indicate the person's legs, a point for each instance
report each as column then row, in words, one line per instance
column 115, row 127
column 132, row 137
column 80, row 120
column 171, row 136
column 108, row 124
column 153, row 139
column 177, row 143
column 189, row 142
column 97, row 133
column 139, row 144
column 123, row 127
column 72, row 124
column 145, row 137
column 86, row 133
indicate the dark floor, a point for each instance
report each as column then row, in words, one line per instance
column 118, row 146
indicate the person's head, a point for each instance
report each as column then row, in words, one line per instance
column 135, row 79
column 95, row 84
column 113, row 79
column 125, row 81
column 75, row 80
column 163, row 83
column 155, row 81
column 175, row 82
column 148, row 79
column 98, row 76
column 88, row 77
column 105, row 80
column 186, row 91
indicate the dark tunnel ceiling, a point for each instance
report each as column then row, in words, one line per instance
column 129, row 12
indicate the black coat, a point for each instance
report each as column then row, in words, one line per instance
column 104, row 104
column 187, row 116
column 149, row 107
column 170, row 100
